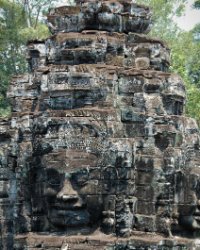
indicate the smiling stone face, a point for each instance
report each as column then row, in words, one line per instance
column 189, row 200
column 97, row 143
column 106, row 151
column 64, row 192
column 66, row 207
column 78, row 189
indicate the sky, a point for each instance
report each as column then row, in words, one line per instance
column 190, row 18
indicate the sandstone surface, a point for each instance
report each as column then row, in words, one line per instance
column 97, row 153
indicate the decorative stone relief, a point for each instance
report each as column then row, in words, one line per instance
column 98, row 153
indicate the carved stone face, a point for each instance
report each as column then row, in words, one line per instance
column 68, row 198
column 69, row 190
column 97, row 140
column 189, row 200
column 78, row 187
column 107, row 158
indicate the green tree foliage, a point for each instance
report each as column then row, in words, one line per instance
column 11, row 59
column 163, row 13
column 197, row 4
column 196, row 33
column 185, row 55
column 20, row 21
column 14, row 34
column 185, row 47
column 34, row 9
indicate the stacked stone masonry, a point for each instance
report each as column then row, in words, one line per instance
column 97, row 153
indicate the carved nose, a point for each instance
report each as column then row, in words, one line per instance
column 67, row 193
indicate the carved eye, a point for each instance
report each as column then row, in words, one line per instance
column 80, row 178
column 54, row 178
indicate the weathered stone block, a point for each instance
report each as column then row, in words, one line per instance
column 145, row 223
column 97, row 147
column 129, row 17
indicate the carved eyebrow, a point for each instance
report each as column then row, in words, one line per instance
column 84, row 171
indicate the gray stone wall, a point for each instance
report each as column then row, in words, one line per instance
column 98, row 153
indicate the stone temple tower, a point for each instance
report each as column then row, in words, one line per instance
column 97, row 153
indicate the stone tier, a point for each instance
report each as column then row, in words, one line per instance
column 83, row 86
column 95, row 47
column 99, row 241
column 97, row 142
column 112, row 16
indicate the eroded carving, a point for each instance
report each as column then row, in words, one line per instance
column 97, row 146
